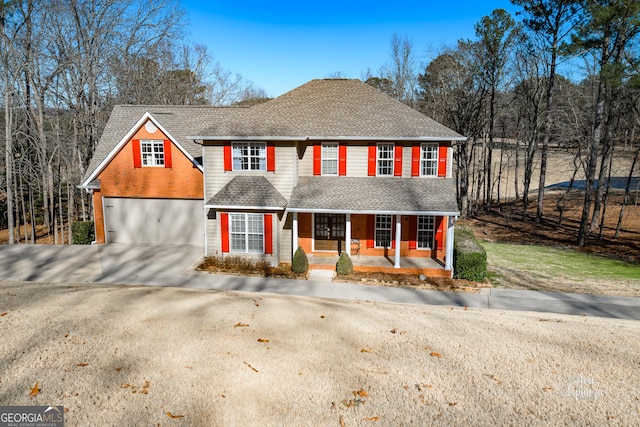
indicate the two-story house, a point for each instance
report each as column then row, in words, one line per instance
column 333, row 165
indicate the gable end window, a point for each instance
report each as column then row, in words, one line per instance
column 152, row 152
column 249, row 156
column 429, row 160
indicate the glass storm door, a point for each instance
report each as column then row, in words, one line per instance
column 329, row 232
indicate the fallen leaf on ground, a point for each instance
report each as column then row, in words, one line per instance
column 262, row 340
column 365, row 350
column 341, row 421
column 466, row 308
column 252, row 368
column 453, row 403
column 547, row 388
column 170, row 415
column 322, row 317
column 435, row 354
column 125, row 385
column 82, row 364
column 394, row 331
column 3, row 314
column 371, row 419
column 360, row 393
column 240, row 325
column 35, row 390
column 118, row 369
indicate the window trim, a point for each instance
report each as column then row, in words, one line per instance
column 154, row 154
column 246, row 232
column 423, row 161
column 432, row 231
column 391, row 160
column 376, row 229
column 262, row 156
column 323, row 158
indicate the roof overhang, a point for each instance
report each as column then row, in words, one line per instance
column 201, row 138
column 374, row 212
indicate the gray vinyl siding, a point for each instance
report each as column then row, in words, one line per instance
column 305, row 164
column 357, row 159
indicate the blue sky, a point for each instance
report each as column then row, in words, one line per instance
column 279, row 45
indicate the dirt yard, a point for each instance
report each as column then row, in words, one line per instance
column 127, row 355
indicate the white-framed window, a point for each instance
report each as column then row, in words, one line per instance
column 384, row 160
column 329, row 158
column 429, row 160
column 425, row 231
column 152, row 152
column 249, row 156
column 246, row 233
column 384, row 226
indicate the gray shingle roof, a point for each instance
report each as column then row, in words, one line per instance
column 248, row 192
column 346, row 108
column 374, row 195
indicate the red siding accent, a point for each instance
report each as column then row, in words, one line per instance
column 137, row 156
column 224, row 231
column 317, row 159
column 342, row 160
column 442, row 160
column 371, row 231
column 227, row 158
column 415, row 160
column 373, row 151
column 439, row 232
column 268, row 234
column 413, row 232
column 167, row 154
column 397, row 160
column 271, row 158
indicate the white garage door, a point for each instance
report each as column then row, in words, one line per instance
column 166, row 221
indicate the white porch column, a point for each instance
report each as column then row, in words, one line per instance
column 448, row 261
column 347, row 232
column 294, row 234
column 398, row 240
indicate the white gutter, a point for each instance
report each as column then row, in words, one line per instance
column 200, row 138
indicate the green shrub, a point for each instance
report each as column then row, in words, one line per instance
column 300, row 263
column 82, row 232
column 344, row 266
column 469, row 258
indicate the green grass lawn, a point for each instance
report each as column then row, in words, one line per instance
column 538, row 267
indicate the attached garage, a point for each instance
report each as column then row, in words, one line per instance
column 164, row 221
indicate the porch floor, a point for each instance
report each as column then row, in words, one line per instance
column 413, row 265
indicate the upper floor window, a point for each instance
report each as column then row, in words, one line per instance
column 249, row 156
column 429, row 160
column 329, row 158
column 384, row 160
column 152, row 152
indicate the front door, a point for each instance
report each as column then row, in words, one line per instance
column 329, row 232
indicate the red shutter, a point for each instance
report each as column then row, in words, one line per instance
column 268, row 234
column 342, row 160
column 415, row 160
column 271, row 158
column 227, row 157
column 137, row 158
column 413, row 232
column 397, row 160
column 224, row 231
column 371, row 231
column 317, row 159
column 373, row 151
column 442, row 160
column 439, row 232
column 167, row 154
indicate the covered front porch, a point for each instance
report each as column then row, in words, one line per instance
column 384, row 264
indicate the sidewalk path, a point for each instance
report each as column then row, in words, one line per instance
column 175, row 266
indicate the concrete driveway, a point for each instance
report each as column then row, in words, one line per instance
column 166, row 265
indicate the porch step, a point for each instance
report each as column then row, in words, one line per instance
column 321, row 275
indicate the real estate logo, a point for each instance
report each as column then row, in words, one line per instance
column 31, row 416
